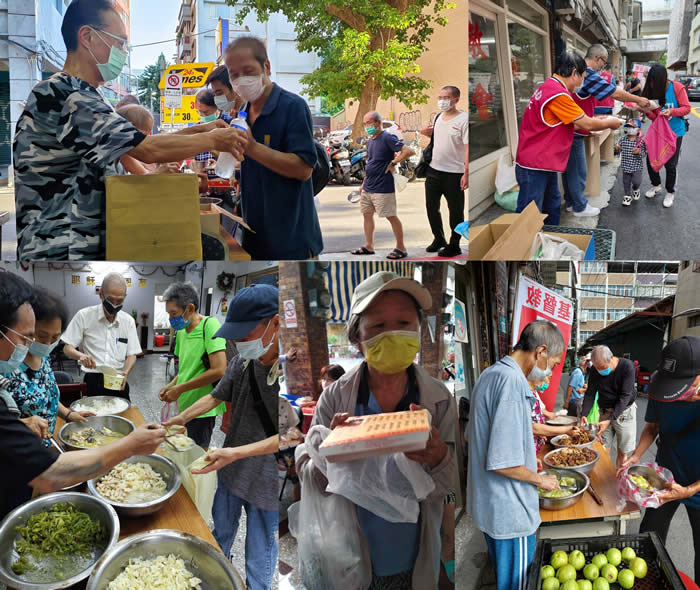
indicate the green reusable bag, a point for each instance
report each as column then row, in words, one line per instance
column 593, row 415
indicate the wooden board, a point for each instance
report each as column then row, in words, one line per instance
column 179, row 512
column 604, row 482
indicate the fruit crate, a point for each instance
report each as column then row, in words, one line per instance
column 661, row 574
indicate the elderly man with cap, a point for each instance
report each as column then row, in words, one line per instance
column 247, row 472
column 384, row 324
column 673, row 415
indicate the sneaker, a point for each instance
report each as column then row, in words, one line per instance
column 652, row 192
column 450, row 251
column 636, row 194
column 436, row 245
column 627, row 200
column 570, row 209
column 668, row 199
column 588, row 212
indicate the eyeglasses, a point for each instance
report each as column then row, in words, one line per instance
column 121, row 42
column 28, row 341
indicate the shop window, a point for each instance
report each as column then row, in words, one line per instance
column 487, row 128
column 526, row 11
column 527, row 63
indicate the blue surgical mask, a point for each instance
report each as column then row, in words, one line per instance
column 208, row 118
column 253, row 349
column 115, row 62
column 605, row 372
column 179, row 323
column 40, row 350
column 16, row 358
column 542, row 388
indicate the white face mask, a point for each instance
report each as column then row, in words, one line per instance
column 444, row 105
column 254, row 349
column 249, row 88
column 224, row 104
column 631, row 131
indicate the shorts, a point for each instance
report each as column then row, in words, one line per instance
column 625, row 429
column 383, row 204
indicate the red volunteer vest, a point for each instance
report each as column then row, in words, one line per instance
column 542, row 146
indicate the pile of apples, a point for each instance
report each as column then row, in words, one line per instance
column 563, row 570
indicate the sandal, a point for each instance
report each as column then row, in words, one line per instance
column 396, row 254
column 627, row 200
column 362, row 252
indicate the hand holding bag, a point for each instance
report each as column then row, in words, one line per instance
column 661, row 143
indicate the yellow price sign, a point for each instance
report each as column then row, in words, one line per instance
column 185, row 114
column 193, row 75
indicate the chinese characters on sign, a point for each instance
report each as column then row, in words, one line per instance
column 90, row 281
column 75, row 279
column 128, row 282
column 549, row 303
column 481, row 99
column 475, row 42
column 142, row 282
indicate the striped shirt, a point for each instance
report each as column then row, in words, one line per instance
column 632, row 162
column 594, row 84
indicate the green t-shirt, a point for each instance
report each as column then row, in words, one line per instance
column 189, row 348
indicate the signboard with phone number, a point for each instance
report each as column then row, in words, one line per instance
column 186, row 114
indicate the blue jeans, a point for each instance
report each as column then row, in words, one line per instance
column 542, row 187
column 575, row 176
column 511, row 559
column 260, row 539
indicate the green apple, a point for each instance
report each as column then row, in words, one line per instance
column 609, row 572
column 591, row 571
column 566, row 572
column 614, row 556
column 626, row 579
column 599, row 560
column 559, row 558
column 547, row 572
column 601, row 584
column 569, row 585
column 628, row 554
column 577, row 559
column 585, row 585
column 550, row 584
column 638, row 567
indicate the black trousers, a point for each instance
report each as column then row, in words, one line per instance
column 670, row 166
column 200, row 429
column 659, row 521
column 96, row 386
column 438, row 184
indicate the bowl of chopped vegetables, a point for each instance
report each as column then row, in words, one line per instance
column 163, row 558
column 572, row 485
column 645, row 478
column 55, row 540
column 139, row 485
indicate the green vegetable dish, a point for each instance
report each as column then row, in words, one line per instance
column 58, row 543
column 554, row 493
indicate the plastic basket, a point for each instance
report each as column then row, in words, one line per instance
column 661, row 575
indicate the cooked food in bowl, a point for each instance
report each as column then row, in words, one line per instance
column 571, row 457
column 567, row 482
column 101, row 405
column 580, row 438
column 91, row 437
column 560, row 493
column 57, row 543
column 132, row 483
column 161, row 572
column 181, row 442
column 642, row 482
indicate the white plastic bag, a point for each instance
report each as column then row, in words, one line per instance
column 629, row 492
column 400, row 182
column 546, row 247
column 505, row 175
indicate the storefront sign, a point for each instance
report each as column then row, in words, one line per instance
column 185, row 114
column 460, row 322
column 475, row 42
column 290, row 313
column 481, row 99
column 535, row 302
column 193, row 75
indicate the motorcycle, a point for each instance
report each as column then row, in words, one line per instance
column 358, row 160
column 408, row 167
column 340, row 163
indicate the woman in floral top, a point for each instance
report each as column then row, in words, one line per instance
column 540, row 414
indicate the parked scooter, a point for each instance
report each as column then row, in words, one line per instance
column 340, row 163
column 358, row 160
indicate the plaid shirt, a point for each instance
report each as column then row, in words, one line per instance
column 632, row 162
column 594, row 84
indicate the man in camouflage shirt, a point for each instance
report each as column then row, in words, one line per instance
column 68, row 138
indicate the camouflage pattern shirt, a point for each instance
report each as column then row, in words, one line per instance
column 67, row 139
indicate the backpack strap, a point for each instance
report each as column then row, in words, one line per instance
column 258, row 404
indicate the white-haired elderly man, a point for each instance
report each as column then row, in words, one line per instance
column 106, row 336
column 613, row 379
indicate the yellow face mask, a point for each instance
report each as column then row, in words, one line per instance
column 392, row 352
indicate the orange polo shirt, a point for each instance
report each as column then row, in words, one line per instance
column 562, row 109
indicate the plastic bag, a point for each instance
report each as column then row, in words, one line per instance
column 508, row 200
column 546, row 247
column 629, row 492
column 661, row 143
column 505, row 175
column 594, row 415
column 389, row 486
column 400, row 182
column 168, row 411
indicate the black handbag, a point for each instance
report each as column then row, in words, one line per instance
column 427, row 157
column 265, row 419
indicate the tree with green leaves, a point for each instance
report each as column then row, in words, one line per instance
column 147, row 85
column 368, row 48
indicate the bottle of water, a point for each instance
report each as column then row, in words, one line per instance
column 226, row 164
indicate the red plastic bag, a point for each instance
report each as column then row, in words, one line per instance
column 661, row 143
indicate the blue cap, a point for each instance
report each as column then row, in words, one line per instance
column 247, row 309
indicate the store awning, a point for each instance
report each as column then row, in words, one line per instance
column 344, row 276
column 659, row 314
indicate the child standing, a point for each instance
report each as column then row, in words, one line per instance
column 633, row 152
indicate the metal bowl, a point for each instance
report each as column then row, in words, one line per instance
column 95, row 399
column 556, row 443
column 202, row 559
column 96, row 508
column 655, row 480
column 582, row 483
column 116, row 423
column 563, row 421
column 165, row 467
column 585, row 468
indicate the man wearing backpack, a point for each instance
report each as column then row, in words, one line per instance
column 448, row 171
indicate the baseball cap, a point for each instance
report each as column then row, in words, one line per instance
column 678, row 375
column 247, row 309
column 636, row 123
column 379, row 282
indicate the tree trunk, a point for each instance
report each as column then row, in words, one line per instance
column 368, row 102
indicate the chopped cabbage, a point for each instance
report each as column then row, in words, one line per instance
column 132, row 483
column 160, row 573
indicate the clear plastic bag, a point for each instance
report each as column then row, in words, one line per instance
column 629, row 492
column 546, row 247
column 168, row 411
column 400, row 182
column 505, row 175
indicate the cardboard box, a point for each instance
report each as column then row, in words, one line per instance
column 153, row 217
column 510, row 237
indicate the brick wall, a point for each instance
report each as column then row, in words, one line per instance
column 432, row 353
column 309, row 338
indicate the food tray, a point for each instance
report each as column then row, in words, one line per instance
column 377, row 434
column 661, row 575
